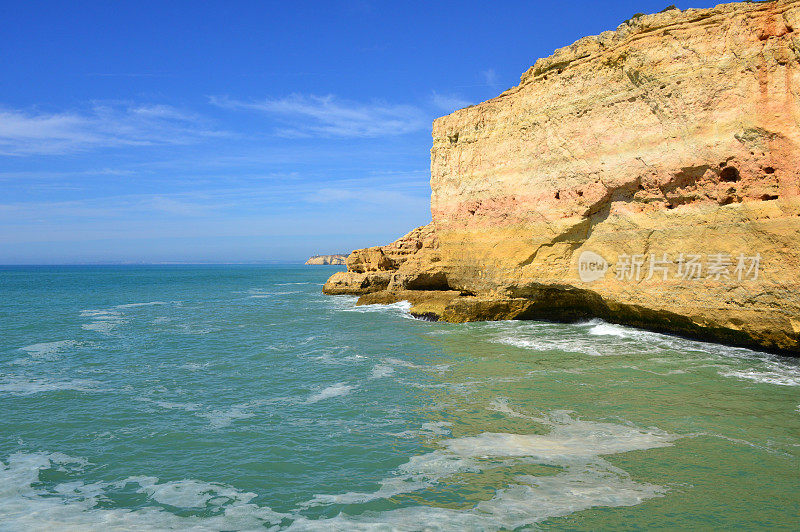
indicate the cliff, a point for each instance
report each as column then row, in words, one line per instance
column 327, row 260
column 649, row 176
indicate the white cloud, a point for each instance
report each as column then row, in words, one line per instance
column 178, row 207
column 490, row 77
column 449, row 102
column 366, row 196
column 277, row 208
column 306, row 116
column 256, row 199
column 103, row 125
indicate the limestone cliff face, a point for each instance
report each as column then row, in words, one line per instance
column 649, row 176
column 327, row 260
column 410, row 262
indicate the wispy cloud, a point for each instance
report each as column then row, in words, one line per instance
column 449, row 102
column 490, row 77
column 276, row 207
column 102, row 125
column 256, row 198
column 375, row 197
column 310, row 115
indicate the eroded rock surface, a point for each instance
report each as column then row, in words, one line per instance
column 662, row 158
column 408, row 263
column 327, row 260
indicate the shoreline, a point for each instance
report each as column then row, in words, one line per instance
column 598, row 187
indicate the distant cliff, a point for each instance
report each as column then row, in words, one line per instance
column 327, row 260
column 649, row 176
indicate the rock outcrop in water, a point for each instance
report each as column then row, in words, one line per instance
column 327, row 260
column 649, row 176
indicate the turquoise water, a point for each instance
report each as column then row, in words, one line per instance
column 241, row 398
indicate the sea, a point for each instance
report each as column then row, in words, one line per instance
column 241, row 398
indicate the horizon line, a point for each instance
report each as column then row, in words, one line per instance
column 163, row 263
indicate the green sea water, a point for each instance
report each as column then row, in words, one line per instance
column 241, row 398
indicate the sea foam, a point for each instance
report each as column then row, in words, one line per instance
column 47, row 350
column 381, row 370
column 136, row 305
column 20, row 385
column 103, row 321
column 335, row 390
column 582, row 480
column 772, row 373
column 574, row 446
column 28, row 503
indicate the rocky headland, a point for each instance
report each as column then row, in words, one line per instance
column 649, row 176
column 327, row 260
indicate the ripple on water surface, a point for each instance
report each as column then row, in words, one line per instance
column 219, row 399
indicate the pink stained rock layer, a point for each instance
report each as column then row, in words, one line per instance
column 649, row 176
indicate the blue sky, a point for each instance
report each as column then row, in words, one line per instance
column 245, row 131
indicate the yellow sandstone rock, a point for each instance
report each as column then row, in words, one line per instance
column 327, row 260
column 649, row 176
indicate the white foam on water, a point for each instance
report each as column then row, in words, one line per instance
column 336, row 390
column 171, row 405
column 773, row 373
column 22, row 362
column 189, row 407
column 381, row 370
column 49, row 350
column 263, row 293
column 438, row 428
column 648, row 341
column 194, row 366
column 328, row 355
column 341, row 302
column 575, row 447
column 29, row 505
column 438, row 368
column 599, row 338
column 104, row 327
column 217, row 418
column 551, row 344
column 388, row 488
column 609, row 329
column 224, row 417
column 348, row 304
column 403, row 306
column 400, row 308
column 260, row 296
column 598, row 327
column 536, row 499
column 103, row 321
column 189, row 493
column 500, row 404
column 99, row 313
column 428, row 430
column 20, row 385
column 664, row 374
column 739, row 441
column 582, row 480
column 191, row 328
column 576, row 440
column 136, row 305
column 106, row 320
